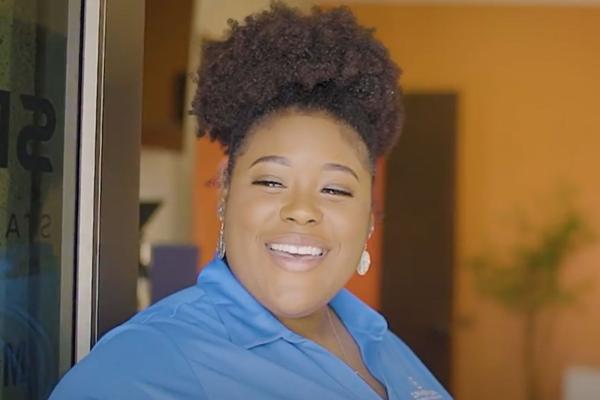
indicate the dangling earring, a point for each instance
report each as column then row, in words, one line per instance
column 364, row 264
column 221, row 240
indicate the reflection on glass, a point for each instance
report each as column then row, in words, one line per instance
column 33, row 38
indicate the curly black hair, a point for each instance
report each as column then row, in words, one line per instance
column 281, row 58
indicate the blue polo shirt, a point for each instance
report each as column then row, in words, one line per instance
column 215, row 341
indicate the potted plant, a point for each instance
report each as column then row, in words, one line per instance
column 530, row 281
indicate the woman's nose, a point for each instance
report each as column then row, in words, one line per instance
column 302, row 210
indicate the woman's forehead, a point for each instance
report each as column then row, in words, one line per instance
column 306, row 137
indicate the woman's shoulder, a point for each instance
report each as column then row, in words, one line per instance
column 146, row 355
column 132, row 360
column 180, row 316
column 190, row 304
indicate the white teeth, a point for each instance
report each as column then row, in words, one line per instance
column 297, row 250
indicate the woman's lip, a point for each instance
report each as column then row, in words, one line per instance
column 292, row 263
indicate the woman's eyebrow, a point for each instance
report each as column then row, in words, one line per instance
column 284, row 161
column 342, row 168
column 276, row 159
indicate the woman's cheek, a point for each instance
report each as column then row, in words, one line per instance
column 263, row 208
column 350, row 219
column 253, row 207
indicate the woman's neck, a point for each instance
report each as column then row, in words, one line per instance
column 315, row 326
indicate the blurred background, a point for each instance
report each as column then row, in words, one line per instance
column 486, row 258
column 486, row 250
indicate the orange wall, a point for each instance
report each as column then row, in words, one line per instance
column 528, row 84
column 206, row 224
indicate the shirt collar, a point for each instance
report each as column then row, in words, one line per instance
column 250, row 324
column 364, row 323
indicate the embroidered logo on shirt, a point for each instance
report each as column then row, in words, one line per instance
column 421, row 393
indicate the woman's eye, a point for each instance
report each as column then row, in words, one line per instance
column 268, row 183
column 337, row 192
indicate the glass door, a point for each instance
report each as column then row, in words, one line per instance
column 70, row 112
column 39, row 80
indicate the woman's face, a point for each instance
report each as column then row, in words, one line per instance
column 298, row 211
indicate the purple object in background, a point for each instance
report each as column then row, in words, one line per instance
column 173, row 267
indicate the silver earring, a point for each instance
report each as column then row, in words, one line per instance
column 364, row 264
column 221, row 240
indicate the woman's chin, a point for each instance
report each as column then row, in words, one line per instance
column 295, row 307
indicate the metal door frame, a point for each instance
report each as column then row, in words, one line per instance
column 109, row 161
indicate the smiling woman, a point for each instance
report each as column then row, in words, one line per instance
column 298, row 200
column 303, row 105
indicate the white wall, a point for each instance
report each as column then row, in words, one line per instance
column 165, row 175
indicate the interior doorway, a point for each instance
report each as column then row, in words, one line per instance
column 418, row 239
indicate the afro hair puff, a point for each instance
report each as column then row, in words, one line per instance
column 282, row 58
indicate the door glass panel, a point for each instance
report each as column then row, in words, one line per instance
column 33, row 82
